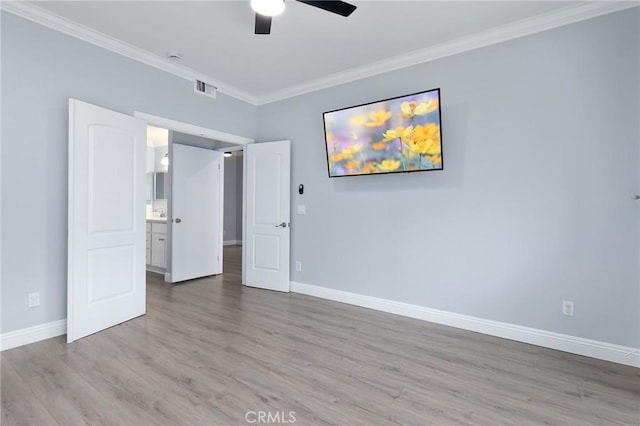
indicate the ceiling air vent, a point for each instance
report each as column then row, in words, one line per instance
column 205, row 89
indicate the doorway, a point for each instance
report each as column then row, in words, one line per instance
column 106, row 244
column 233, row 196
column 195, row 145
column 198, row 178
column 157, row 168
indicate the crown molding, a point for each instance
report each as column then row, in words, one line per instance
column 51, row 20
column 536, row 24
column 524, row 27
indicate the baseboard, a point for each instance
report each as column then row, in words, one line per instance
column 576, row 345
column 13, row 339
column 155, row 269
column 232, row 243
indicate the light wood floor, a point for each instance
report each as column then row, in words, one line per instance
column 210, row 351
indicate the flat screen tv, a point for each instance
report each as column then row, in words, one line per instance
column 396, row 135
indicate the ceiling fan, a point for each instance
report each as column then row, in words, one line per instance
column 267, row 9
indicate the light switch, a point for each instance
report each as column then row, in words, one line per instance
column 302, row 209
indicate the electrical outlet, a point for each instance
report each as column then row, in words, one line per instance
column 34, row 299
column 298, row 266
column 302, row 209
column 567, row 308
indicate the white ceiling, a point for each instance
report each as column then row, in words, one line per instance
column 306, row 44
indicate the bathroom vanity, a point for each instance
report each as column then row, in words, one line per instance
column 157, row 244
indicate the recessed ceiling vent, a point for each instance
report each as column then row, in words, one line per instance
column 206, row 89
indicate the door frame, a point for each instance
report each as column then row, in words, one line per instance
column 192, row 129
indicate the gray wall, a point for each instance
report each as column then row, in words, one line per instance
column 41, row 69
column 540, row 140
column 233, row 198
column 534, row 206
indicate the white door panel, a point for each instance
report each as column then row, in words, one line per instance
column 106, row 243
column 267, row 212
column 196, row 211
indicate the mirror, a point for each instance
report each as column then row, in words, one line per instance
column 160, row 186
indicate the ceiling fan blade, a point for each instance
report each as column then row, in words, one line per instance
column 339, row 7
column 263, row 24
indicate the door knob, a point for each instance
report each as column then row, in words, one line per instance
column 178, row 220
column 282, row 225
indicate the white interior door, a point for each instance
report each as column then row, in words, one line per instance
column 106, row 243
column 196, row 209
column 268, row 176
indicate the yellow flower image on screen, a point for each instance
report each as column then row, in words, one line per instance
column 358, row 120
column 396, row 135
column 351, row 165
column 411, row 109
column 378, row 118
column 378, row 146
column 425, row 139
column 336, row 157
column 370, row 168
column 388, row 165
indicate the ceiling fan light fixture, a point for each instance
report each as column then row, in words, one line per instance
column 268, row 7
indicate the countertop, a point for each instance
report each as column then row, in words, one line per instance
column 157, row 219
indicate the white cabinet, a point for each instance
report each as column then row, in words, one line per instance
column 158, row 250
column 148, row 247
column 156, row 246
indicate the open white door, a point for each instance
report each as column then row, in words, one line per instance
column 196, row 209
column 268, row 170
column 106, row 243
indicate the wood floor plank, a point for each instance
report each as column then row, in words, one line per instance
column 19, row 404
column 211, row 352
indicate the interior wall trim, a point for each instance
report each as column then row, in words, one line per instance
column 59, row 23
column 514, row 30
column 24, row 336
column 521, row 28
column 192, row 129
column 562, row 342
